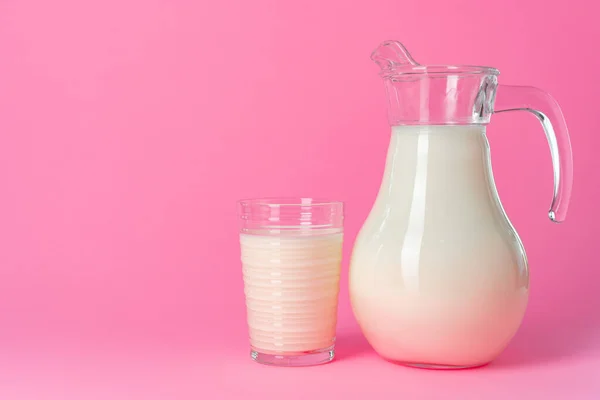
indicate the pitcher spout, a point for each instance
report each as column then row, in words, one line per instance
column 391, row 55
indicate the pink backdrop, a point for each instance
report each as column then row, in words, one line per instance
column 129, row 128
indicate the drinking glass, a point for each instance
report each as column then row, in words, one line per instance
column 291, row 253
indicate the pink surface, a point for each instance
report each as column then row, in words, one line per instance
column 129, row 129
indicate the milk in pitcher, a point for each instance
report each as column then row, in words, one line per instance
column 438, row 276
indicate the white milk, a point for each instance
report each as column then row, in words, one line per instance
column 291, row 285
column 438, row 275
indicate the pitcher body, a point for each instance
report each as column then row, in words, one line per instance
column 438, row 275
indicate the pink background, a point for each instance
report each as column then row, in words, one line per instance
column 129, row 128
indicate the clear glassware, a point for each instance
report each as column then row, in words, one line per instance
column 469, row 95
column 291, row 253
column 438, row 275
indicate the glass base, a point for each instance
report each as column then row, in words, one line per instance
column 307, row 359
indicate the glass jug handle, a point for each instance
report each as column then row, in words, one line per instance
column 547, row 110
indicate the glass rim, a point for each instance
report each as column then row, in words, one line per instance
column 289, row 202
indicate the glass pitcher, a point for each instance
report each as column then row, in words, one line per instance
column 438, row 275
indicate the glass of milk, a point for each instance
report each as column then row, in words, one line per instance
column 291, row 253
